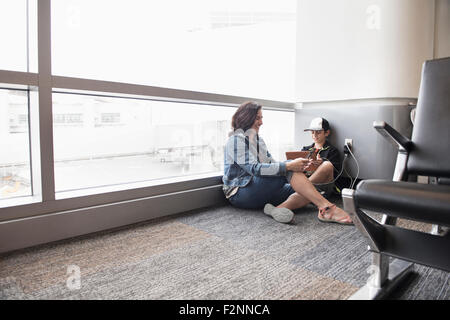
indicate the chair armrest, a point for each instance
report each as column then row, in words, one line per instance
column 393, row 136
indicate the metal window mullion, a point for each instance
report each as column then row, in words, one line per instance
column 42, row 141
column 17, row 79
column 158, row 93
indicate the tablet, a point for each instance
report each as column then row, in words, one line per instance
column 291, row 155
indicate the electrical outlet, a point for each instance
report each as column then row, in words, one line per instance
column 349, row 143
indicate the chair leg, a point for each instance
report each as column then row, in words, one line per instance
column 384, row 276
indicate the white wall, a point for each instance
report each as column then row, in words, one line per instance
column 442, row 29
column 362, row 49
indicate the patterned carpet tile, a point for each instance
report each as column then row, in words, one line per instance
column 343, row 257
column 425, row 284
column 324, row 288
column 36, row 269
column 209, row 269
column 217, row 253
column 255, row 230
column 403, row 223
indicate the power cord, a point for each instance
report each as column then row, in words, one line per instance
column 351, row 178
column 339, row 174
column 357, row 167
column 347, row 152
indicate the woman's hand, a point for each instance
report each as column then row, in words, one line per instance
column 298, row 165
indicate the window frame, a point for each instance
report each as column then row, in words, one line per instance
column 42, row 84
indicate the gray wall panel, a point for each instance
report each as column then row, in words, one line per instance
column 376, row 157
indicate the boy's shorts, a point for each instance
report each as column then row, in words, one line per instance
column 327, row 189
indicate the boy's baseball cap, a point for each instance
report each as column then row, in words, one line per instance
column 318, row 124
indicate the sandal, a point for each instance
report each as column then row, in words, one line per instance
column 323, row 211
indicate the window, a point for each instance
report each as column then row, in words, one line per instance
column 155, row 140
column 67, row 119
column 13, row 32
column 18, row 35
column 18, row 118
column 15, row 178
column 278, row 132
column 213, row 53
column 110, row 118
column 211, row 46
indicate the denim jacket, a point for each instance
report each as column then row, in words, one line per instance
column 246, row 157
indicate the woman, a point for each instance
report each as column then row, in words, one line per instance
column 254, row 180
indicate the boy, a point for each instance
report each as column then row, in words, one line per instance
column 327, row 154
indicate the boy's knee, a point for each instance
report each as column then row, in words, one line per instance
column 327, row 165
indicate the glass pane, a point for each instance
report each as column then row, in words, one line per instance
column 236, row 47
column 13, row 35
column 102, row 141
column 278, row 132
column 15, row 178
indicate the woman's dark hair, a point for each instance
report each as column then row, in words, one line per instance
column 245, row 115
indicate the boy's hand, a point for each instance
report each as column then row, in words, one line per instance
column 314, row 164
column 318, row 162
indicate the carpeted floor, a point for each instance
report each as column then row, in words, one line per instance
column 216, row 253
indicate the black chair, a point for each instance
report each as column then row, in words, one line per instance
column 426, row 154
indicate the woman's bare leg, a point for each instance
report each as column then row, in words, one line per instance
column 294, row 201
column 303, row 186
column 305, row 191
column 323, row 174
